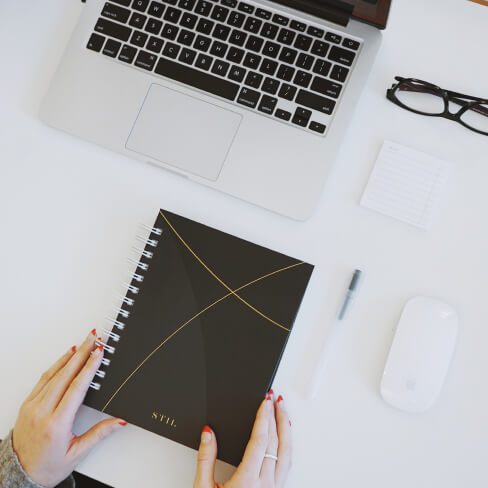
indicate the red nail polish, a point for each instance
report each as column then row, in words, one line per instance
column 94, row 331
column 73, row 349
column 207, row 429
column 280, row 399
column 271, row 392
column 123, row 423
column 100, row 347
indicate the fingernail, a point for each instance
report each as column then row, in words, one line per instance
column 73, row 349
column 100, row 348
column 206, row 435
column 94, row 332
column 123, row 423
column 269, row 395
column 281, row 403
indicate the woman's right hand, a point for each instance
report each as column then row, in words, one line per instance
column 271, row 435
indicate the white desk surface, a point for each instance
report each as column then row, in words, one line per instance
column 69, row 212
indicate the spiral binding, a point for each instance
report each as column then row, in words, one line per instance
column 109, row 334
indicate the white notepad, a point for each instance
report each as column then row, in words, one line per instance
column 407, row 185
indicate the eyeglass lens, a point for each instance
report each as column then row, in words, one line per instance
column 420, row 97
column 477, row 117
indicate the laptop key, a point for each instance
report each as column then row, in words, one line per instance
column 271, row 49
column 302, row 78
column 268, row 67
column 188, row 20
column 172, row 15
column 351, row 44
column 155, row 44
column 326, row 87
column 140, row 5
column 280, row 19
column 153, row 26
column 203, row 8
column 335, row 38
column 248, row 97
column 303, row 42
column 197, row 79
column 169, row 31
column 111, row 48
column 127, row 54
column 288, row 55
column 137, row 20
column 145, row 60
column 285, row 72
column 187, row 4
column 237, row 73
column 301, row 116
column 305, row 61
column 235, row 55
column 253, row 79
column 282, row 114
column 339, row 73
column 267, row 104
column 218, row 49
column 236, row 19
column 342, row 56
column 115, row 12
column 171, row 50
column 299, row 26
column 186, row 37
column 95, row 43
column 220, row 13
column 112, row 29
column 322, row 67
column 229, row 3
column 204, row 61
column 172, row 2
column 263, row 14
column 205, row 26
column 253, row 25
column 202, row 43
column 187, row 56
column 315, row 31
column 156, row 9
column 317, row 127
column 269, row 30
column 315, row 102
column 125, row 3
column 270, row 85
column 251, row 61
column 320, row 48
column 286, row 36
column 139, row 39
column 221, row 32
column 287, row 92
column 254, row 44
column 238, row 37
column 220, row 67
column 245, row 7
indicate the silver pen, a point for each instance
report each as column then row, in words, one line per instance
column 351, row 291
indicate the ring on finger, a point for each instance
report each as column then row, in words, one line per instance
column 271, row 456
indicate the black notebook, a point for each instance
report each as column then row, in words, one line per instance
column 200, row 334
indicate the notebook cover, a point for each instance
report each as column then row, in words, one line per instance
column 204, row 337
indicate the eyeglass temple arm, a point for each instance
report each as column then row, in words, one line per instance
column 454, row 97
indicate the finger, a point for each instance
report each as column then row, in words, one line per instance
column 269, row 465
column 283, row 425
column 207, row 455
column 82, row 445
column 78, row 388
column 49, row 374
column 256, row 447
column 57, row 387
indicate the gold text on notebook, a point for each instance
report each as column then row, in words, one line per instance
column 164, row 419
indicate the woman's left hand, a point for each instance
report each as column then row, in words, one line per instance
column 42, row 438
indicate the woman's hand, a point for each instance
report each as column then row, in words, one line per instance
column 42, row 437
column 271, row 435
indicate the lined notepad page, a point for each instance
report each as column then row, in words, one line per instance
column 407, row 185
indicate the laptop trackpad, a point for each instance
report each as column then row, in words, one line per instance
column 184, row 132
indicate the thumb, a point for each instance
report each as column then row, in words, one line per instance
column 207, row 455
column 82, row 445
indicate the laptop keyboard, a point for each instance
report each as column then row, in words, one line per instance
column 280, row 67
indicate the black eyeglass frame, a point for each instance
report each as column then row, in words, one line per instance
column 447, row 95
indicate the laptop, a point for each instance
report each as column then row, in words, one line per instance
column 249, row 97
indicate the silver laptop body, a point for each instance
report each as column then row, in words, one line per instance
column 240, row 146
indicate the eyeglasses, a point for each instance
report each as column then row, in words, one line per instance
column 425, row 98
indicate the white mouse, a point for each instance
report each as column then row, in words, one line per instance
column 420, row 355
